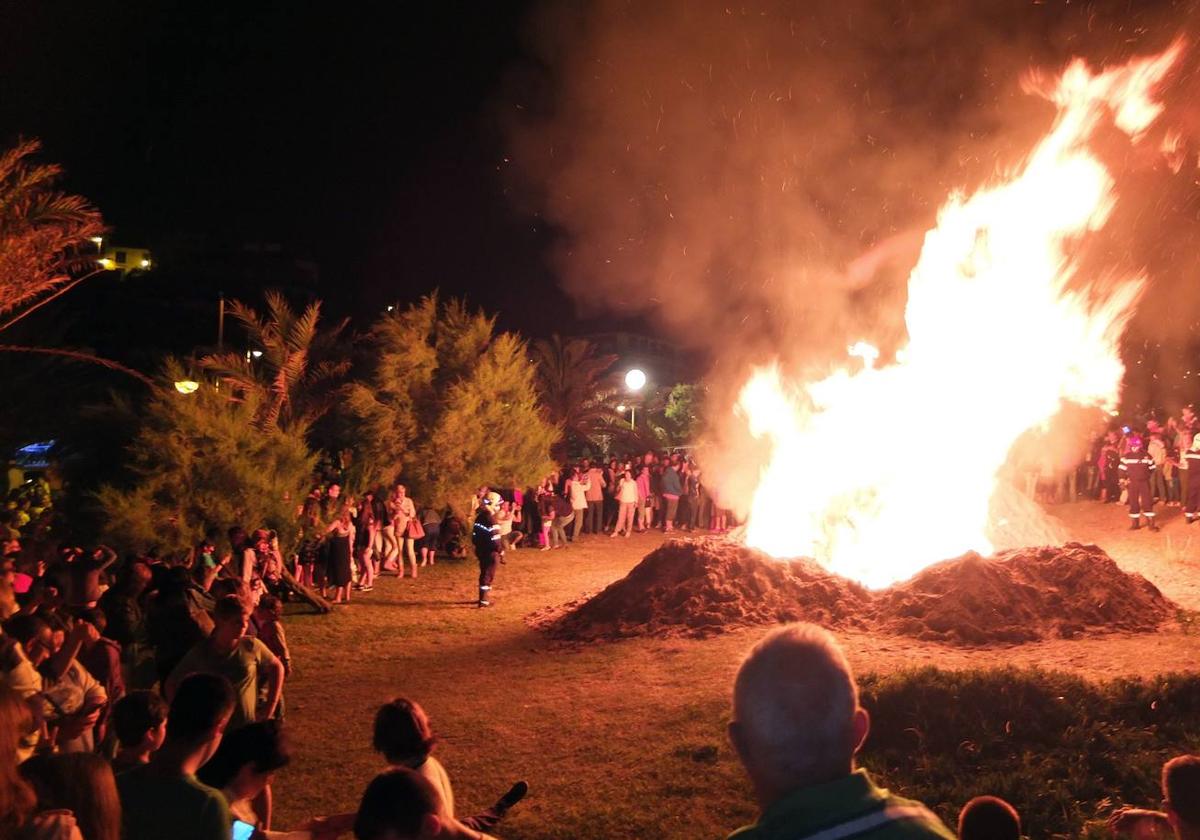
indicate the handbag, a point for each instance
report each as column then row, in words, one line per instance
column 415, row 530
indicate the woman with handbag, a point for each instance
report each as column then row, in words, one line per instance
column 404, row 520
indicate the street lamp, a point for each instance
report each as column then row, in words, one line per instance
column 635, row 380
column 187, row 386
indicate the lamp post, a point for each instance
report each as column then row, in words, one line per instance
column 635, row 380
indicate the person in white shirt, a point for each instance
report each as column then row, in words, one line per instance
column 627, row 498
column 578, row 486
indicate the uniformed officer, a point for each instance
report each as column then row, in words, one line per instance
column 488, row 547
column 1137, row 466
column 1190, row 461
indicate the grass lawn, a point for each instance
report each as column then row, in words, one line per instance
column 622, row 740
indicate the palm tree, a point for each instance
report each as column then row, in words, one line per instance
column 44, row 233
column 45, row 246
column 291, row 366
column 577, row 389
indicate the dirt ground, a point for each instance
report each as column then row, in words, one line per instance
column 621, row 739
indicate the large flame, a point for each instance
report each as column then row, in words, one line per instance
column 879, row 471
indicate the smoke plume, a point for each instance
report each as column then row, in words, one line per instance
column 757, row 176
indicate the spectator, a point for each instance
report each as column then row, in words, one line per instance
column 645, row 509
column 80, row 784
column 1180, row 816
column 403, row 805
column 431, row 522
column 69, row 697
column 267, row 622
column 242, row 660
column 595, row 498
column 243, row 766
column 403, row 735
column 139, row 720
column 163, row 800
column 366, row 535
column 125, row 623
column 17, row 801
column 101, row 657
column 308, row 551
column 627, row 497
column 404, row 513
column 177, row 619
column 577, row 490
column 339, row 539
column 672, row 488
column 989, row 818
column 563, row 517
column 796, row 728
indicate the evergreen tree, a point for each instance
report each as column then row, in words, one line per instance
column 199, row 461
column 448, row 405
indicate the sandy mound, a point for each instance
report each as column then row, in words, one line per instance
column 1021, row 596
column 704, row 587
column 709, row 586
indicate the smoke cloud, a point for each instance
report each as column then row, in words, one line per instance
column 757, row 176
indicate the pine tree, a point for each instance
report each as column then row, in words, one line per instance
column 199, row 461
column 448, row 406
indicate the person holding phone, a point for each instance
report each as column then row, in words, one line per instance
column 163, row 800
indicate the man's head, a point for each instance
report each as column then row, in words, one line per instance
column 34, row 634
column 334, row 491
column 989, row 818
column 796, row 718
column 247, row 760
column 269, row 608
column 140, row 720
column 230, row 620
column 1135, row 442
column 400, row 804
column 199, row 713
column 1181, row 794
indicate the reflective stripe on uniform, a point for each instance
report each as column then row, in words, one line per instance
column 870, row 822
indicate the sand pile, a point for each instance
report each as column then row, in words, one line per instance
column 699, row 588
column 1021, row 596
column 709, row 586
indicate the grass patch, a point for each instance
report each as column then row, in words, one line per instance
column 1064, row 751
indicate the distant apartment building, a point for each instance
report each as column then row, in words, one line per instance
column 122, row 258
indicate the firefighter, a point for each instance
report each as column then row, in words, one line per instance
column 1190, row 460
column 488, row 546
column 1137, row 466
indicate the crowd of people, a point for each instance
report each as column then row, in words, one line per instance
column 154, row 708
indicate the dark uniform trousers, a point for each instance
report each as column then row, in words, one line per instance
column 1137, row 468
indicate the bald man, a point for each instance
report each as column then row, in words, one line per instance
column 796, row 727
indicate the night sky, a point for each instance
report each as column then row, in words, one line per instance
column 365, row 135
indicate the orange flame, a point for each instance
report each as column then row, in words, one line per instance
column 998, row 340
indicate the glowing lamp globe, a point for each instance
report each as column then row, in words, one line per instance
column 635, row 380
column 187, row 386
